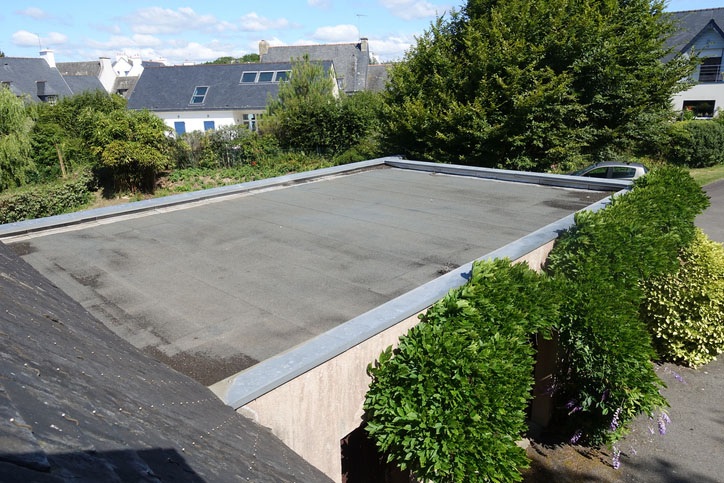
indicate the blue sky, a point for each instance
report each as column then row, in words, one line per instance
column 185, row 31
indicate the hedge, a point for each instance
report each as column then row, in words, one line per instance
column 606, row 376
column 47, row 200
column 450, row 402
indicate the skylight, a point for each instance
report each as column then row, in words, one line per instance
column 254, row 77
column 248, row 77
column 199, row 95
column 266, row 76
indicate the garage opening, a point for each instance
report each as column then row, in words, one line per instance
column 363, row 463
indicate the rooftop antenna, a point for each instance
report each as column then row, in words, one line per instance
column 359, row 15
column 40, row 47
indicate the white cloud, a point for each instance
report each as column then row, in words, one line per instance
column 158, row 21
column 391, row 48
column 413, row 9
column 33, row 12
column 336, row 33
column 23, row 38
column 252, row 22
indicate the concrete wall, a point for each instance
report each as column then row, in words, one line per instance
column 314, row 411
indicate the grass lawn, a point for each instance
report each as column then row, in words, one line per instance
column 704, row 176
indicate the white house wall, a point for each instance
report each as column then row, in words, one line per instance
column 709, row 44
column 194, row 121
column 702, row 92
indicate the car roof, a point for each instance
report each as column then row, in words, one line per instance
column 619, row 163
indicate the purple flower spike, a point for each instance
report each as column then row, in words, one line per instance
column 616, row 460
column 576, row 436
column 663, row 421
column 615, row 421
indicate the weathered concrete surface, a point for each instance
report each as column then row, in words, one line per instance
column 215, row 287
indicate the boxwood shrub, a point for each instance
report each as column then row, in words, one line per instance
column 449, row 403
column 48, row 199
column 685, row 310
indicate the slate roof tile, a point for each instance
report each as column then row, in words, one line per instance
column 77, row 403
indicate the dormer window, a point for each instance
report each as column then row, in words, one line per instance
column 199, row 95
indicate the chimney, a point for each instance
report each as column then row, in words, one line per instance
column 364, row 45
column 106, row 64
column 40, row 85
column 263, row 48
column 49, row 57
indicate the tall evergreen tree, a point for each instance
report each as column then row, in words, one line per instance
column 529, row 84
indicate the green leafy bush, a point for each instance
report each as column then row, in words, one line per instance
column 449, row 403
column 696, row 144
column 605, row 348
column 685, row 310
column 47, row 200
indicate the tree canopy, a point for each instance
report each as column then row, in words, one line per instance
column 15, row 146
column 236, row 60
column 309, row 115
column 530, row 84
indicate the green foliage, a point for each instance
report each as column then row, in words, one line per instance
column 696, row 144
column 449, row 403
column 529, row 84
column 307, row 116
column 605, row 347
column 236, row 60
column 47, row 200
column 62, row 132
column 226, row 147
column 132, row 147
column 15, row 146
column 685, row 310
column 196, row 178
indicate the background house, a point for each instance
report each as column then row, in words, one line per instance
column 700, row 32
column 353, row 64
column 38, row 79
column 210, row 96
column 89, row 76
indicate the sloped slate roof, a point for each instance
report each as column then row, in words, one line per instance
column 125, row 84
column 77, row 403
column 23, row 74
column 84, row 83
column 90, row 68
column 171, row 88
column 690, row 23
column 377, row 75
column 350, row 62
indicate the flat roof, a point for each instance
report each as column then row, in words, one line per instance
column 215, row 286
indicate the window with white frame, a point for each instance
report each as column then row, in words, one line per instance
column 199, row 95
column 248, row 77
column 250, row 121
